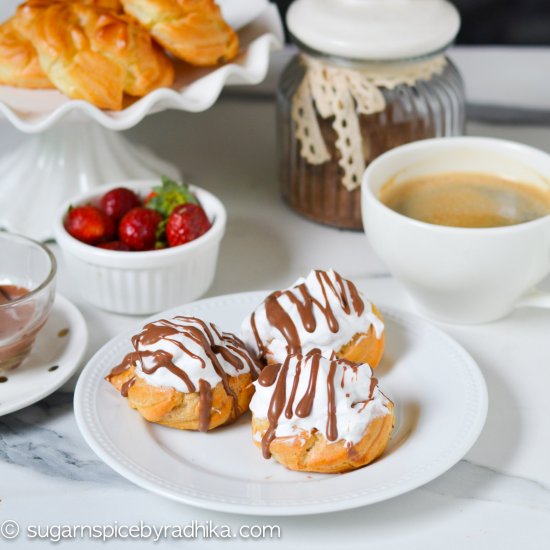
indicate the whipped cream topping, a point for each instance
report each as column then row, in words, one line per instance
column 322, row 311
column 336, row 397
column 189, row 355
column 181, row 352
column 195, row 350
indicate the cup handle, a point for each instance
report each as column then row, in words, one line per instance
column 534, row 298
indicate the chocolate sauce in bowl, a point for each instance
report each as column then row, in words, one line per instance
column 18, row 325
column 9, row 293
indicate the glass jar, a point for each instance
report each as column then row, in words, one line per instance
column 384, row 103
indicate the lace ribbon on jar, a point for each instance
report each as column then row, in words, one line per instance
column 345, row 93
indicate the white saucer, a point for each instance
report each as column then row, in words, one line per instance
column 440, row 400
column 55, row 357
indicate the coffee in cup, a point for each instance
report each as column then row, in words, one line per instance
column 466, row 199
column 467, row 262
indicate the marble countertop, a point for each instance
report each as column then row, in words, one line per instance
column 497, row 496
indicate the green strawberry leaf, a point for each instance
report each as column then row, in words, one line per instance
column 161, row 241
column 169, row 195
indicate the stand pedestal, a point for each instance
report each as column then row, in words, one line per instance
column 61, row 162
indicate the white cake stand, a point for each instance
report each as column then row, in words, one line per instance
column 74, row 146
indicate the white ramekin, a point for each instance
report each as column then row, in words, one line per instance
column 140, row 283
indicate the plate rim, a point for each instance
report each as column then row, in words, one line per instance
column 437, row 467
column 82, row 333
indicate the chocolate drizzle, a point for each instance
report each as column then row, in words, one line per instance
column 373, row 384
column 276, row 376
column 126, row 386
column 128, row 360
column 306, row 403
column 269, row 375
column 205, row 405
column 253, row 365
column 277, row 403
column 307, row 305
column 219, row 348
column 352, row 452
column 332, row 427
column 288, row 411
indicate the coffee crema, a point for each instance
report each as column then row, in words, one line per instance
column 466, row 199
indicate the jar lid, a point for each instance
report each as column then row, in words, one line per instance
column 374, row 29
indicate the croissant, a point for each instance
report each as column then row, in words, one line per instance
column 192, row 30
column 19, row 64
column 92, row 54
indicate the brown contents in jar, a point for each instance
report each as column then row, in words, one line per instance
column 316, row 191
column 423, row 110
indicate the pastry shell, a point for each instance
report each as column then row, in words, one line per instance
column 170, row 407
column 312, row 452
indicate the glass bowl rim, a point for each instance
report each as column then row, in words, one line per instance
column 50, row 277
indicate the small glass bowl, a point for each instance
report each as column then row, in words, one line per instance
column 27, row 292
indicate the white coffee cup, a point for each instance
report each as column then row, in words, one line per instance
column 456, row 274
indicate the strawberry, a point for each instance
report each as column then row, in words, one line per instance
column 89, row 224
column 118, row 201
column 115, row 245
column 186, row 223
column 138, row 228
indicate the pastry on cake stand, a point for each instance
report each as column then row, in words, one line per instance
column 73, row 145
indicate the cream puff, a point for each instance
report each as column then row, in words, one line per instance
column 316, row 414
column 321, row 312
column 187, row 374
column 19, row 64
column 192, row 30
column 94, row 54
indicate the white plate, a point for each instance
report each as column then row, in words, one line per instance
column 56, row 355
column 195, row 89
column 441, row 405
